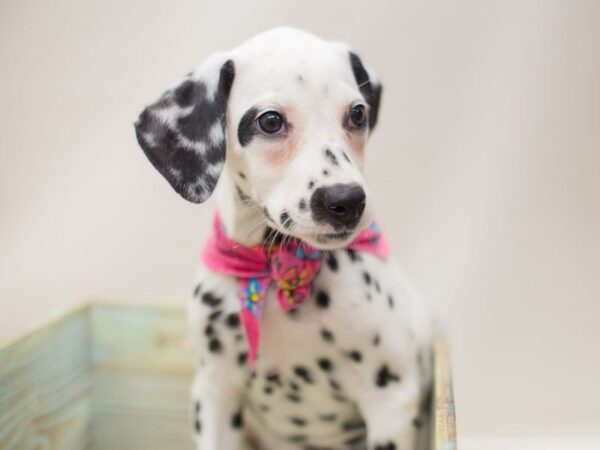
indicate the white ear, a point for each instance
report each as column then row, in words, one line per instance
column 183, row 132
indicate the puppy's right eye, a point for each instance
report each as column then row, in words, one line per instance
column 270, row 122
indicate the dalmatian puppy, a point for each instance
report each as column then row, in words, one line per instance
column 282, row 122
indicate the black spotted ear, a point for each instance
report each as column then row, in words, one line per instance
column 369, row 86
column 183, row 133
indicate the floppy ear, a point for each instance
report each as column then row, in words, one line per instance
column 369, row 86
column 183, row 132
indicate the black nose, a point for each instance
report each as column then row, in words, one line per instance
column 340, row 205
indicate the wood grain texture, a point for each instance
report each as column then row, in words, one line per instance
column 114, row 376
column 444, row 420
column 142, row 372
column 45, row 386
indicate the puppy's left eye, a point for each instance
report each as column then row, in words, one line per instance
column 270, row 122
column 357, row 117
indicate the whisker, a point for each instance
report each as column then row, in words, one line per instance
column 271, row 242
column 256, row 227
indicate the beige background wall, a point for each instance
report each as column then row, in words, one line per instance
column 486, row 168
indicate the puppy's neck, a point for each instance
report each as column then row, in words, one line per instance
column 242, row 218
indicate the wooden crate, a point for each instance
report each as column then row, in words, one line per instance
column 114, row 376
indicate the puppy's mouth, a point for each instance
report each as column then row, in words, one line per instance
column 342, row 235
column 323, row 241
column 291, row 227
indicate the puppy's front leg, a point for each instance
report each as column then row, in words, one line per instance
column 218, row 410
column 390, row 410
column 219, row 386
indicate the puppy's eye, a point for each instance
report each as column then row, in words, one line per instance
column 270, row 122
column 357, row 118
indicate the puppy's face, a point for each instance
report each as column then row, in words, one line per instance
column 296, row 122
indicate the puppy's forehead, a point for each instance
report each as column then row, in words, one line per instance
column 284, row 58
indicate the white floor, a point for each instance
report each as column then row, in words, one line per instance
column 473, row 443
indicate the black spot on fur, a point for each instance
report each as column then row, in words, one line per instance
column 367, row 277
column 389, row 446
column 244, row 198
column 311, row 184
column 215, row 315
column 355, row 356
column 303, row 373
column 294, row 386
column 376, row 340
column 325, row 364
column 353, row 424
column 285, row 220
column 242, row 175
column 267, row 215
column 242, row 358
column 298, row 421
column 384, row 376
column 327, row 335
column 328, row 417
column 391, row 301
column 209, row 330
column 274, row 378
column 330, row 156
column 247, row 126
column 268, row 390
column 325, row 172
column 237, row 420
column 332, row 262
column 334, row 385
column 297, row 438
column 322, row 299
column 417, row 422
column 294, row 397
column 346, row 157
column 340, row 398
column 197, row 423
column 377, row 286
column 208, row 298
column 215, row 345
column 302, row 205
column 300, row 79
column 197, row 290
column 355, row 440
column 232, row 320
column 352, row 255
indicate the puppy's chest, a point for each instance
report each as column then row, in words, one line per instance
column 352, row 334
column 353, row 319
column 316, row 361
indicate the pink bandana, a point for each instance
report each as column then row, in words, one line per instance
column 292, row 268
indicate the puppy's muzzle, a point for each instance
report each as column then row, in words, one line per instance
column 340, row 205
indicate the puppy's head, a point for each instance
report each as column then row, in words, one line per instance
column 288, row 115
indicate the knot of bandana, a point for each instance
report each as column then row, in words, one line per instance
column 291, row 267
